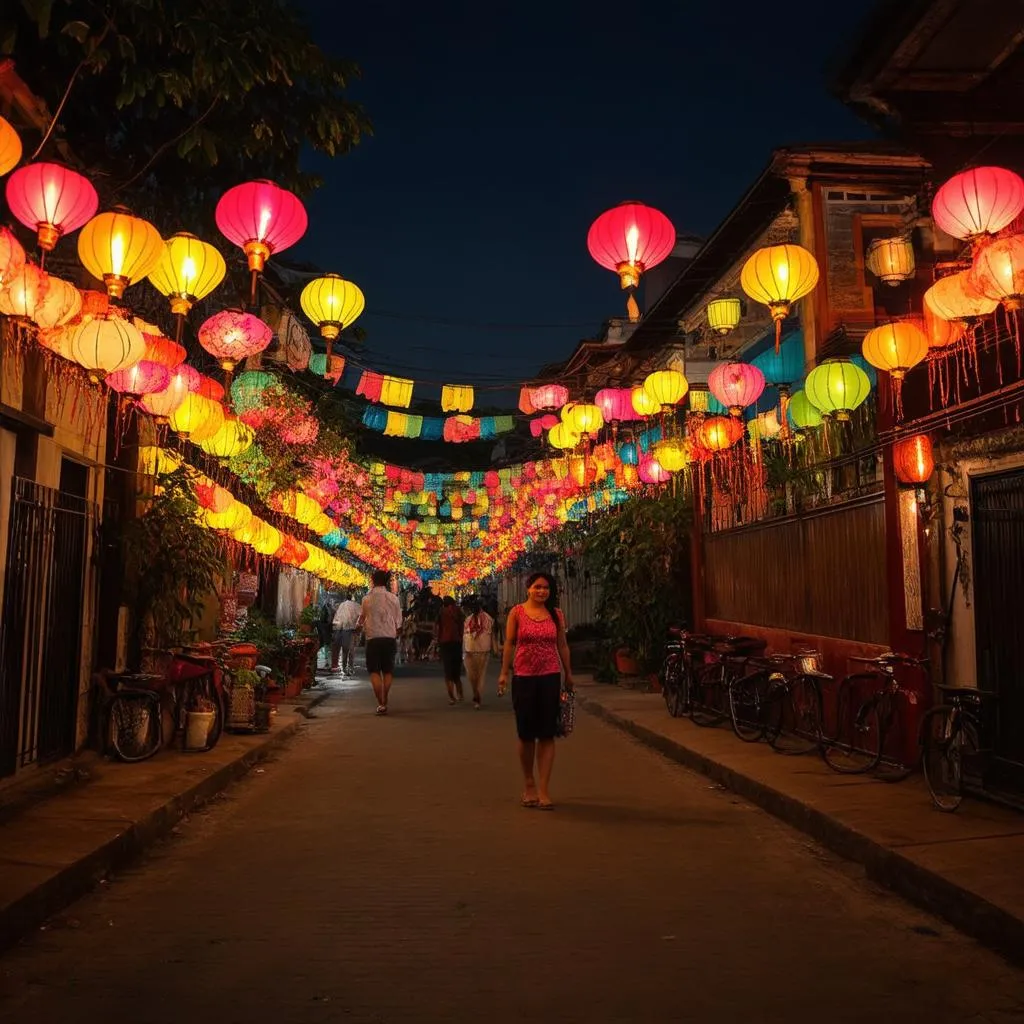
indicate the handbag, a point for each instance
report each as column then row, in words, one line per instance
column 566, row 712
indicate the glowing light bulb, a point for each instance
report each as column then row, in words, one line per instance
column 632, row 242
column 117, row 254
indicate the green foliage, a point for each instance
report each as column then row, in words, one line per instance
column 639, row 554
column 263, row 634
column 172, row 564
column 167, row 95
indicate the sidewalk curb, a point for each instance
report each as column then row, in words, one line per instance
column 965, row 910
column 72, row 882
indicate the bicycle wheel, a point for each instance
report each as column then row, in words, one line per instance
column 857, row 746
column 748, row 704
column 794, row 725
column 672, row 685
column 133, row 726
column 707, row 696
column 943, row 737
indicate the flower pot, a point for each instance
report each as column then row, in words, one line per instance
column 197, row 729
column 625, row 663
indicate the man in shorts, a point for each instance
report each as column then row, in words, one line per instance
column 382, row 619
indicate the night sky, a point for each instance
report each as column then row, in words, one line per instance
column 501, row 130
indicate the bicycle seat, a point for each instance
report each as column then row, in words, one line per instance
column 965, row 691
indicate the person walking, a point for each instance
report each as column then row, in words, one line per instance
column 346, row 618
column 477, row 641
column 381, row 617
column 449, row 644
column 535, row 636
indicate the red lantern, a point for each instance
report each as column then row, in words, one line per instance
column 50, row 199
column 209, row 388
column 629, row 239
column 977, row 202
column 262, row 219
column 162, row 350
column 913, row 460
column 144, row 378
column 736, row 385
column 230, row 336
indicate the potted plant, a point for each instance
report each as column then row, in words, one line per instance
column 244, row 686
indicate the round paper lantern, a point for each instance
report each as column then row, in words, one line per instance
column 583, row 418
column 802, row 413
column 549, row 396
column 230, row 336
column 162, row 350
column 24, row 292
column 998, row 271
column 106, row 345
column 891, row 259
column 671, row 454
column 666, row 387
column 188, row 270
column 10, row 147
column 267, row 540
column 157, row 461
column 956, row 297
column 61, row 304
column 562, row 436
column 719, row 433
column 209, row 388
column 644, row 403
column 119, row 249
column 616, row 404
column 651, row 471
column 777, row 276
column 724, row 315
column 837, row 387
column 235, row 517
column 895, row 347
column 50, row 199
column 940, row 333
column 232, row 438
column 629, row 239
column 12, row 257
column 196, row 415
column 913, row 460
column 141, row 379
column 332, row 303
column 978, row 202
column 261, row 218
column 736, row 385
column 162, row 404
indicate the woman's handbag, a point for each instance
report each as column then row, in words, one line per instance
column 566, row 712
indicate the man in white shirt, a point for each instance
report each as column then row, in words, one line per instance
column 382, row 619
column 346, row 618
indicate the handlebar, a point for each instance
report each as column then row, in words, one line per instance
column 888, row 658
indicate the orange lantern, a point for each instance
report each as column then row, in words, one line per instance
column 913, row 460
column 956, row 297
column 119, row 249
column 998, row 271
column 719, row 433
column 895, row 347
column 10, row 147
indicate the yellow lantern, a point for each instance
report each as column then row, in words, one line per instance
column 61, row 303
column 155, row 461
column 10, row 147
column 187, row 271
column 666, row 387
column 321, row 524
column 777, row 276
column 561, row 435
column 895, row 347
column 232, row 438
column 583, row 418
column 643, row 403
column 267, row 540
column 306, row 509
column 333, row 304
column 671, row 454
column 891, row 259
column 196, row 415
column 235, row 517
column 724, row 315
column 107, row 344
column 119, row 249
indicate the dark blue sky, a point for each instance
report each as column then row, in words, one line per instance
column 503, row 129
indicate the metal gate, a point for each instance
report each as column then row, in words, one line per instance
column 41, row 625
column 997, row 509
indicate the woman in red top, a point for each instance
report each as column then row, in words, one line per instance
column 535, row 634
column 449, row 642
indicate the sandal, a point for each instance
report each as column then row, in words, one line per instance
column 545, row 805
column 529, row 801
column 382, row 709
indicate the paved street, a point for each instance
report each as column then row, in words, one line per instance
column 382, row 870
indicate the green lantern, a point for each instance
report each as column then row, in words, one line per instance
column 802, row 413
column 837, row 387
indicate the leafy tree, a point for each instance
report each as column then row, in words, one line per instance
column 168, row 104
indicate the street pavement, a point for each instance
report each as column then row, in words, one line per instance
column 381, row 869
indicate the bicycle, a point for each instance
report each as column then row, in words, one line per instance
column 951, row 735
column 710, row 682
column 862, row 725
column 678, row 666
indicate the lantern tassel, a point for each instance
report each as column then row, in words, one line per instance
column 778, row 335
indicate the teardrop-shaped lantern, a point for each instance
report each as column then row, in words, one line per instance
column 119, row 249
column 51, row 200
column 778, row 275
column 978, row 202
column 10, row 146
column 629, row 239
column 189, row 269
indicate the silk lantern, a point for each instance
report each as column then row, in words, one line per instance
column 140, row 379
column 978, row 202
column 10, row 146
column 189, row 269
column 719, row 433
column 666, row 387
column 837, row 387
column 119, row 249
column 61, row 304
column 162, row 404
column 629, row 239
column 230, row 336
column 51, row 200
column 913, row 459
column 724, row 315
column 895, row 347
column 998, row 271
column 333, row 304
column 891, row 259
column 778, row 275
column 106, row 345
column 23, row 293
column 956, row 297
column 736, row 385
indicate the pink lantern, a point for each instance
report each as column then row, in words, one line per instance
column 541, row 423
column 549, row 396
column 651, row 470
column 144, row 378
column 230, row 337
column 978, row 202
column 50, row 199
column 162, row 404
column 736, row 385
column 616, row 404
column 629, row 239
column 262, row 219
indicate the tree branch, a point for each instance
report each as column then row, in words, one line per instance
column 162, row 149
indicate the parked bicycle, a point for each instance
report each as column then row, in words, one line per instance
column 723, row 665
column 953, row 741
column 867, row 710
column 684, row 652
